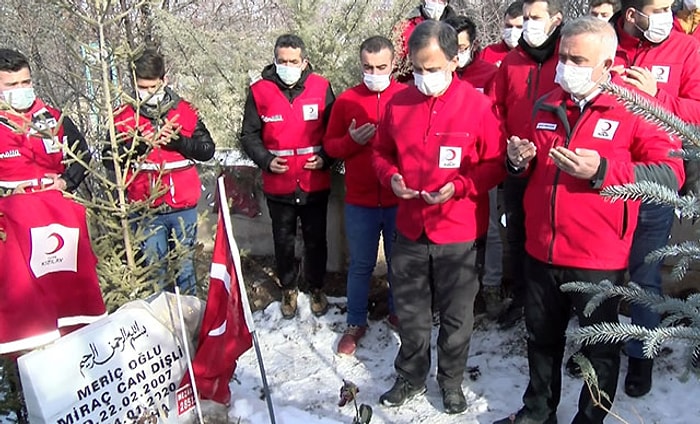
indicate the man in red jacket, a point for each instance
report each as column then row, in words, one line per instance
column 525, row 75
column 170, row 136
column 438, row 149
column 584, row 140
column 283, row 125
column 663, row 64
column 437, row 10
column 38, row 145
column 512, row 30
column 370, row 208
column 479, row 74
column 687, row 19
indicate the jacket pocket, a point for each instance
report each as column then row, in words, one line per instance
column 624, row 225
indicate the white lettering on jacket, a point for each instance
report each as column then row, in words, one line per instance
column 14, row 153
column 546, row 126
column 273, row 118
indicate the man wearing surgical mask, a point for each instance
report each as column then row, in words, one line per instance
column 470, row 67
column 687, row 19
column 437, row 10
column 438, row 150
column 583, row 140
column 29, row 160
column 525, row 75
column 284, row 120
column 664, row 64
column 169, row 137
column 370, row 208
column 510, row 34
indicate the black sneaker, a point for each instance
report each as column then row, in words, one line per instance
column 400, row 393
column 510, row 316
column 638, row 378
column 454, row 401
column 522, row 417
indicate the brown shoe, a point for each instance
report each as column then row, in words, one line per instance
column 319, row 303
column 348, row 343
column 289, row 303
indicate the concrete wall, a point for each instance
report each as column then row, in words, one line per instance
column 254, row 235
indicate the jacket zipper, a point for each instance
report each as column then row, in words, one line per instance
column 550, row 254
column 379, row 109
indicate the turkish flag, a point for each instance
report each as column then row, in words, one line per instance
column 224, row 335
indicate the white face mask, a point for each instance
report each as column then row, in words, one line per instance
column 288, row 74
column 151, row 99
column 511, row 36
column 375, row 82
column 660, row 26
column 464, row 58
column 432, row 83
column 690, row 4
column 575, row 80
column 20, row 98
column 433, row 9
column 534, row 32
column 602, row 18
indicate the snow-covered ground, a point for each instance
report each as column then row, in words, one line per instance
column 305, row 376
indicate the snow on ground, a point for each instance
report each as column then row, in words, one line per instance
column 305, row 376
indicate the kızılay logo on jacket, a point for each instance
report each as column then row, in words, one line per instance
column 54, row 248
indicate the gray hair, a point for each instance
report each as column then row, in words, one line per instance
column 590, row 25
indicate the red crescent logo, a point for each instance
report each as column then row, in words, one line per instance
column 59, row 243
column 451, row 154
column 608, row 126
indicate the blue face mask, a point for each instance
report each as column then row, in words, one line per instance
column 288, row 74
column 20, row 98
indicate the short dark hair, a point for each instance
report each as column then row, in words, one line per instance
column 150, row 65
column 553, row 6
column 514, row 9
column 376, row 44
column 13, row 61
column 290, row 41
column 634, row 4
column 614, row 3
column 462, row 23
column 426, row 31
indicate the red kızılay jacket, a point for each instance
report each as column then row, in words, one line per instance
column 25, row 154
column 495, row 53
column 364, row 106
column 162, row 169
column 479, row 74
column 431, row 141
column 519, row 82
column 674, row 63
column 567, row 221
column 294, row 131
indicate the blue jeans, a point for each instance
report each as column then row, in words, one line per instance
column 362, row 228
column 161, row 231
column 653, row 230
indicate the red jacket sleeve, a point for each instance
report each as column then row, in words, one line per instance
column 337, row 141
column 489, row 172
column 384, row 160
column 651, row 160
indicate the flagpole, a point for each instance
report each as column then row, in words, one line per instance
column 248, row 315
column 198, row 406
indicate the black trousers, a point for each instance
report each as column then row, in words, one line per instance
column 313, row 229
column 547, row 312
column 420, row 272
column 513, row 193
